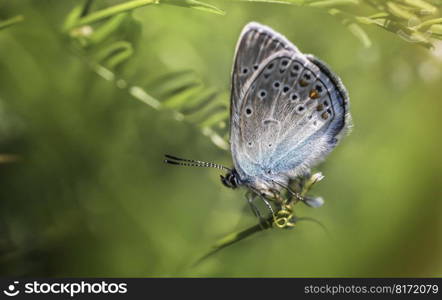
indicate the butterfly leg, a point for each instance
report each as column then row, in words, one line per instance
column 266, row 223
column 283, row 218
column 276, row 197
column 269, row 206
column 250, row 197
column 306, row 183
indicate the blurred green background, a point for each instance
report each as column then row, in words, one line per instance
column 84, row 190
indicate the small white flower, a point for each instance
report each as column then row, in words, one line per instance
column 314, row 201
column 317, row 177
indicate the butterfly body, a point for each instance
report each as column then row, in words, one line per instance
column 288, row 111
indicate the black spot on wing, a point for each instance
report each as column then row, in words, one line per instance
column 341, row 94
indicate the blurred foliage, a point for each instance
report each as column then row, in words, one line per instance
column 104, row 50
column 413, row 20
column 84, row 191
column 11, row 21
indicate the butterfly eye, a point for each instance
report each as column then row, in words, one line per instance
column 245, row 71
column 276, row 84
column 285, row 89
column 255, row 67
column 270, row 66
column 326, row 103
column 296, row 67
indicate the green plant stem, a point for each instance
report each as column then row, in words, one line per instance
column 11, row 21
column 236, row 237
column 429, row 23
column 333, row 3
column 8, row 158
column 111, row 11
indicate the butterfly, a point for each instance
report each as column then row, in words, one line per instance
column 288, row 111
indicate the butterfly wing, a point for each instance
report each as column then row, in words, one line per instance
column 256, row 43
column 288, row 110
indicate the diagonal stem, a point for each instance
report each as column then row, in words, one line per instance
column 236, row 237
column 113, row 10
column 11, row 21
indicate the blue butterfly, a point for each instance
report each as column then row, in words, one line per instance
column 287, row 112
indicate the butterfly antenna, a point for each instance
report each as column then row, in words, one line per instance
column 173, row 160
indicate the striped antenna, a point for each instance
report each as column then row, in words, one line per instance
column 173, row 160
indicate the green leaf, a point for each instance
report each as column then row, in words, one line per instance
column 196, row 103
column 140, row 94
column 104, row 31
column 218, row 140
column 399, row 12
column 436, row 29
column 195, row 4
column 333, row 3
column 114, row 54
column 216, row 118
column 184, row 93
column 409, row 34
column 168, row 85
column 11, row 21
column 355, row 29
column 178, row 100
column 122, row 54
column 424, row 6
column 234, row 238
column 428, row 23
column 360, row 34
column 79, row 10
column 111, row 11
column 73, row 20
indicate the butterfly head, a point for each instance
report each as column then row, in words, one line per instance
column 231, row 179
